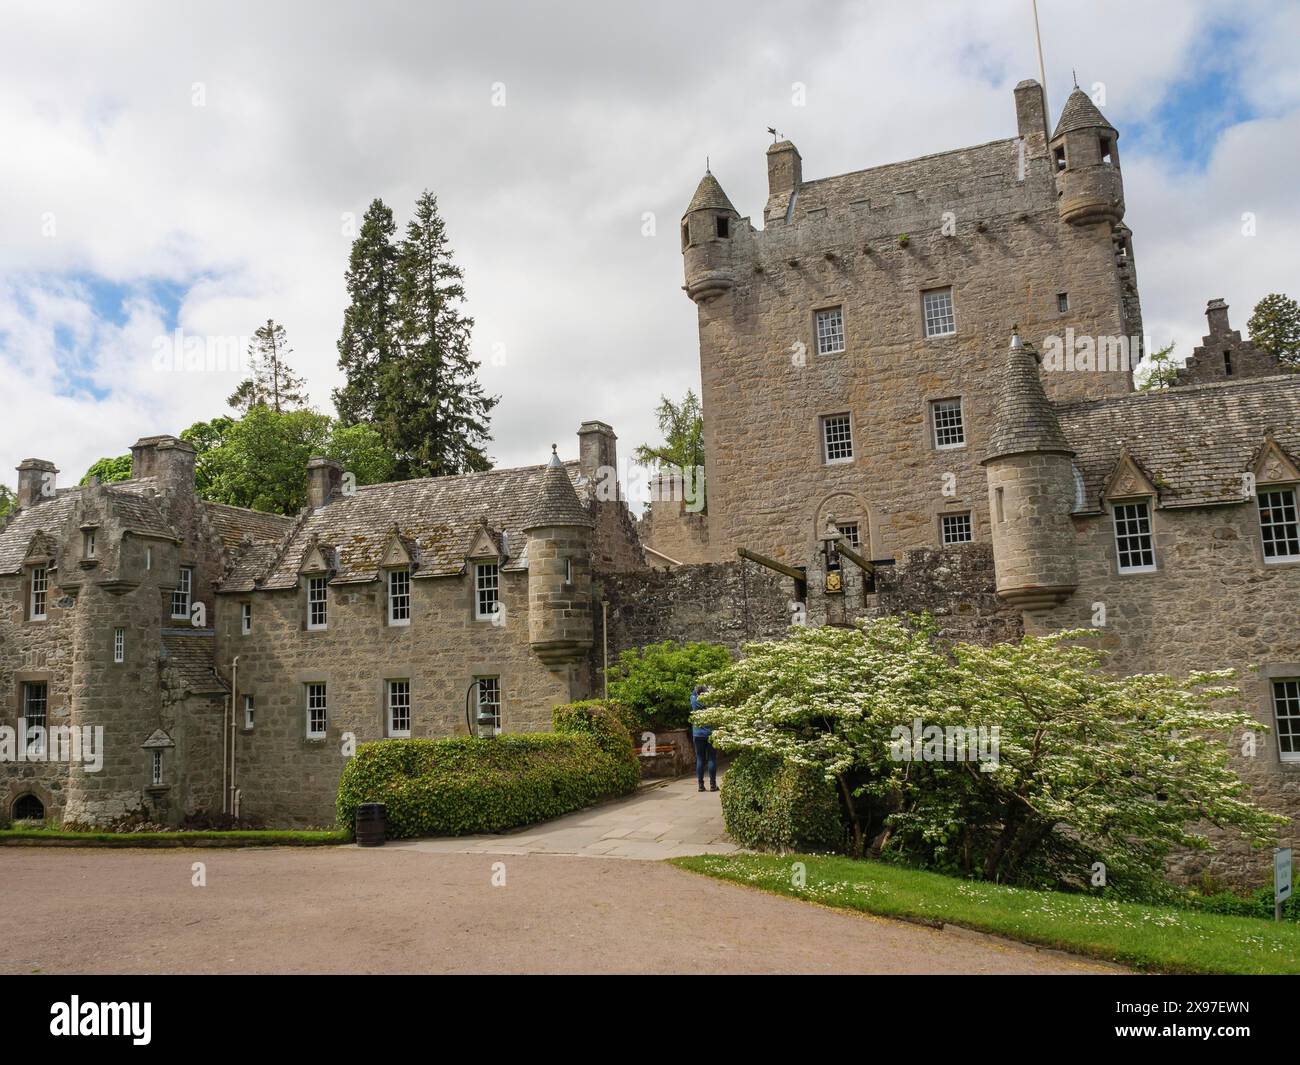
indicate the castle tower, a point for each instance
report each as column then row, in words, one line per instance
column 1031, row 489
column 707, row 230
column 1085, row 155
column 558, row 528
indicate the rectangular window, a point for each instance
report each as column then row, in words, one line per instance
column 837, row 438
column 949, row 429
column 119, row 645
column 88, row 543
column 1058, row 157
column 568, row 571
column 182, row 592
column 1133, row 544
column 1227, row 363
column 937, row 308
column 849, row 530
column 399, row 597
column 317, row 715
column 155, row 773
column 489, row 705
column 245, row 618
column 399, row 708
column 723, row 227
column 830, row 331
column 40, row 588
column 250, row 712
column 1062, row 302
column 1277, row 523
column 487, row 581
column 1286, row 709
column 148, row 558
column 316, row 592
column 999, row 505
column 1106, row 149
column 35, row 713
column 955, row 528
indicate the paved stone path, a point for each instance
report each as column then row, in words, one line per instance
column 662, row 820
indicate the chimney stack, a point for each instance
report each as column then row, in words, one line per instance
column 1216, row 313
column 35, row 481
column 784, row 169
column 324, row 477
column 167, row 459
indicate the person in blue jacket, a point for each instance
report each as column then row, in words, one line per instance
column 704, row 750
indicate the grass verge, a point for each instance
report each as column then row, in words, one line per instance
column 1150, row 938
column 235, row 838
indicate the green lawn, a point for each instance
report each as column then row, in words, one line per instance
column 1153, row 938
column 235, row 838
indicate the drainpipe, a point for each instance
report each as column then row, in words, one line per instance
column 604, row 636
column 234, row 696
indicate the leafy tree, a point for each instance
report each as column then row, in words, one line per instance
column 1275, row 327
column 682, row 425
column 368, row 343
column 1162, row 371
column 654, row 683
column 272, row 381
column 206, row 437
column 108, row 470
column 432, row 413
column 1090, row 767
column 8, row 503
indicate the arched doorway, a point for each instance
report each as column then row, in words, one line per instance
column 28, row 808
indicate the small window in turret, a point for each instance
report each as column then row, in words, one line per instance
column 724, row 227
column 1107, row 151
column 1058, row 157
column 568, row 571
column 686, row 236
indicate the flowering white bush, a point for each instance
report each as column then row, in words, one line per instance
column 1091, row 767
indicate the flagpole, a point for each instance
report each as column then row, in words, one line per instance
column 1042, row 69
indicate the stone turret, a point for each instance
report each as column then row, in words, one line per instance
column 1031, row 490
column 559, row 530
column 707, row 230
column 1085, row 155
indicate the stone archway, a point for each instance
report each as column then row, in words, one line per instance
column 27, row 807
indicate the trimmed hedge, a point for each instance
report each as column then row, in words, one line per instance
column 771, row 805
column 655, row 682
column 465, row 785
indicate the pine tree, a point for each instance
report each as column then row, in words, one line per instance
column 368, row 342
column 432, row 413
column 1275, row 327
column 272, row 382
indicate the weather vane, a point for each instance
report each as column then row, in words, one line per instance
column 774, row 133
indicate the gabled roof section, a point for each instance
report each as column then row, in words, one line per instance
column 42, row 549
column 1272, row 465
column 1080, row 112
column 48, row 516
column 1194, row 442
column 188, row 656
column 317, row 557
column 235, row 524
column 1129, row 479
column 485, row 542
column 400, row 552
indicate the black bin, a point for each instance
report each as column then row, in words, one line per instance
column 372, row 821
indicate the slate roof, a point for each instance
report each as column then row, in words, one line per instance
column 1195, row 441
column 555, row 502
column 232, row 524
column 442, row 515
column 1080, row 112
column 190, row 655
column 134, row 504
column 48, row 515
column 1023, row 418
column 709, row 194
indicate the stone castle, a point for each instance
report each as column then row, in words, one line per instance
column 918, row 395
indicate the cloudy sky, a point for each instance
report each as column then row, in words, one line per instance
column 193, row 166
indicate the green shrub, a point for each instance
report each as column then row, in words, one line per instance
column 771, row 805
column 655, row 682
column 610, row 722
column 464, row 785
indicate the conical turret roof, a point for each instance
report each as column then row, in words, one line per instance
column 1080, row 112
column 709, row 196
column 556, row 503
column 1023, row 418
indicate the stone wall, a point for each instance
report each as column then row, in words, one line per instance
column 956, row 586
column 670, row 529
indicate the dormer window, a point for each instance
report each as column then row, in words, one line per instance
column 1278, row 525
column 1134, row 546
column 487, row 588
column 40, row 590
column 724, row 226
column 399, row 597
column 316, row 603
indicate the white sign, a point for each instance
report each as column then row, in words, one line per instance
column 1281, row 875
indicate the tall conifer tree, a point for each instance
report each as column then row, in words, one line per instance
column 368, row 342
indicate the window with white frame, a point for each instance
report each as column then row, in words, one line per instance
column 955, row 528
column 245, row 618
column 837, row 438
column 1278, row 525
column 399, row 597
column 489, row 702
column 1134, row 548
column 830, row 331
column 36, row 697
column 949, row 429
column 487, row 587
column 119, row 645
column 1286, row 710
column 316, row 603
column 155, row 773
column 40, row 589
column 182, row 592
column 849, row 530
column 936, row 306
column 88, row 543
column 399, row 708
column 250, row 712
column 317, row 714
